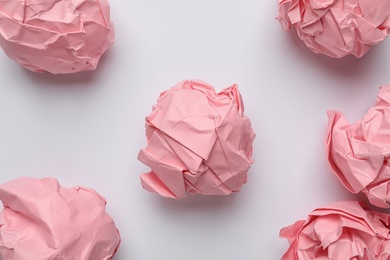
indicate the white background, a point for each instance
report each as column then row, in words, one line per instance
column 87, row 128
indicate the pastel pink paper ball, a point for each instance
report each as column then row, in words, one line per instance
column 42, row 220
column 359, row 153
column 57, row 36
column 337, row 27
column 341, row 230
column 199, row 141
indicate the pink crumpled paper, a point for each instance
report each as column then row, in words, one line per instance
column 359, row 154
column 199, row 141
column 343, row 231
column 58, row 36
column 337, row 27
column 43, row 221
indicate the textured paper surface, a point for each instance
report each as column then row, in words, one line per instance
column 58, row 36
column 337, row 28
column 199, row 141
column 42, row 220
column 341, row 230
column 358, row 153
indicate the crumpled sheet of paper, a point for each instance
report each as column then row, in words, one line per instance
column 58, row 36
column 198, row 141
column 337, row 27
column 359, row 153
column 343, row 231
column 42, row 220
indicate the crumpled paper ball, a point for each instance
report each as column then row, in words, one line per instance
column 359, row 154
column 341, row 230
column 42, row 220
column 58, row 36
column 198, row 141
column 337, row 28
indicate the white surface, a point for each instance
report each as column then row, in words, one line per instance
column 86, row 129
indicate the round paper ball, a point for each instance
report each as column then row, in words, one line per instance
column 342, row 230
column 337, row 27
column 43, row 220
column 359, row 153
column 198, row 141
column 57, row 36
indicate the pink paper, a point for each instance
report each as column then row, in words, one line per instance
column 43, row 221
column 58, row 36
column 337, row 27
column 199, row 141
column 359, row 153
column 341, row 230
